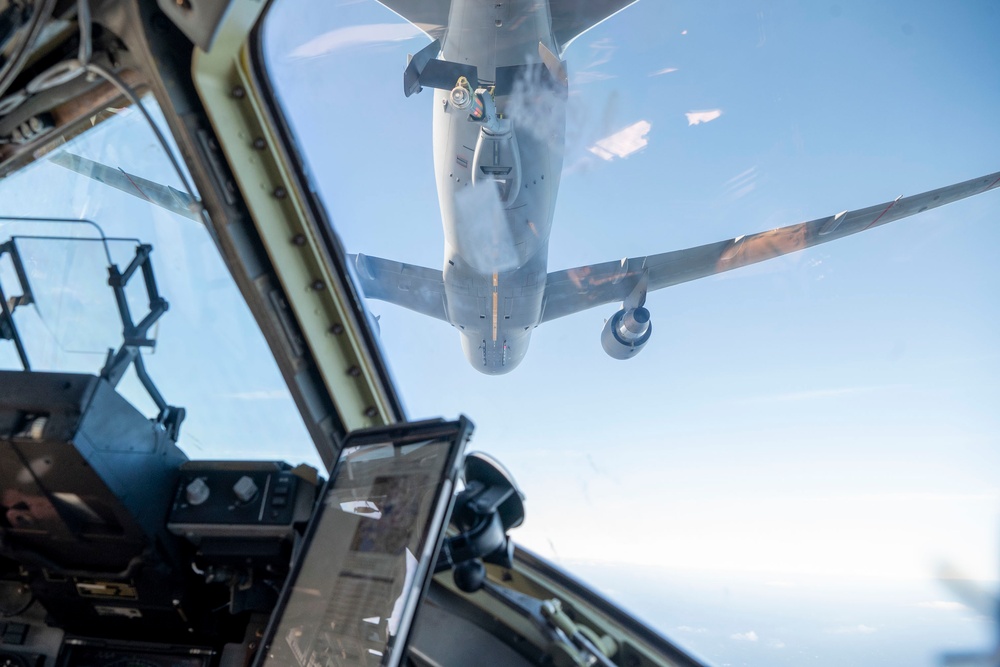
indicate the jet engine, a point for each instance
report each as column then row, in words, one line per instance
column 626, row 332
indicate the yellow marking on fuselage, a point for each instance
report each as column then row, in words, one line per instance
column 496, row 296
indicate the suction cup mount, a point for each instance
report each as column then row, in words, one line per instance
column 489, row 506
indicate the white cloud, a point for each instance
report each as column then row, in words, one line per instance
column 601, row 52
column 943, row 605
column 354, row 36
column 665, row 70
column 698, row 117
column 927, row 497
column 623, row 142
column 750, row 636
column 741, row 177
column 776, row 643
column 589, row 76
column 859, row 629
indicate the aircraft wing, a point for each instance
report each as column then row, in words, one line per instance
column 161, row 195
column 413, row 287
column 583, row 287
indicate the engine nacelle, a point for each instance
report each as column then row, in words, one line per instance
column 626, row 332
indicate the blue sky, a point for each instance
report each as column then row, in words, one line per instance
column 831, row 412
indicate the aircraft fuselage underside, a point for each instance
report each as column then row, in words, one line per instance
column 497, row 178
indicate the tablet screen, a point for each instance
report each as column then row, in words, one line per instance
column 370, row 552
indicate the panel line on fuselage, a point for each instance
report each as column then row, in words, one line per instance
column 496, row 298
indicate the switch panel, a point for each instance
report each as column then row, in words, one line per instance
column 239, row 499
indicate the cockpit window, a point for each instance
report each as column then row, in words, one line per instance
column 88, row 208
column 800, row 441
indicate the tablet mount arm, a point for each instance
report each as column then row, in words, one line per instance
column 488, row 507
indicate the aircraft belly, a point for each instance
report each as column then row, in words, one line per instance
column 495, row 303
column 454, row 138
column 490, row 226
column 498, row 177
column 490, row 35
column 495, row 313
column 530, row 214
column 491, row 234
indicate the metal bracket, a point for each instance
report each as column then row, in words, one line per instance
column 8, row 330
column 549, row 617
column 135, row 336
column 637, row 297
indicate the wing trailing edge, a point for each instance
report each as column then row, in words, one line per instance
column 573, row 290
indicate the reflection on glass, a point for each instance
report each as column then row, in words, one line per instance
column 209, row 356
column 363, row 572
column 68, row 278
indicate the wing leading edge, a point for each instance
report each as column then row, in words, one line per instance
column 572, row 290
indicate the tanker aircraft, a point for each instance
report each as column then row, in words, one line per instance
column 496, row 68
